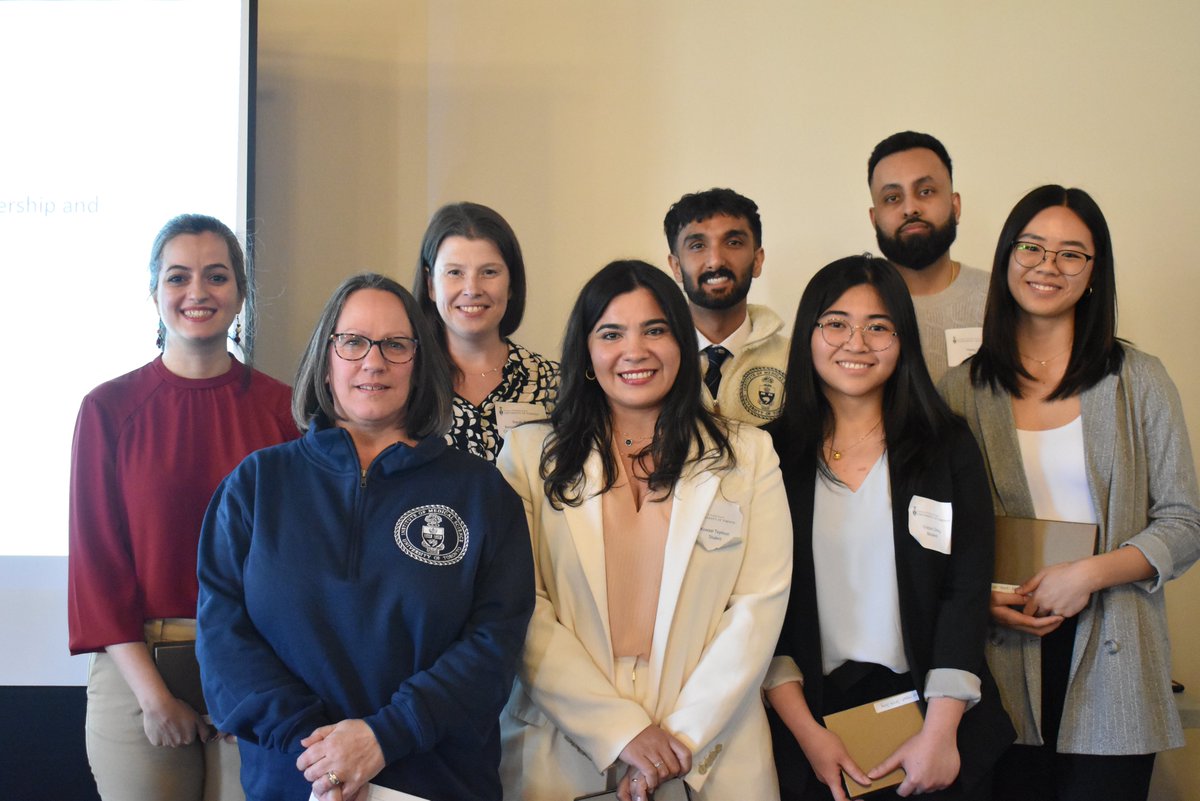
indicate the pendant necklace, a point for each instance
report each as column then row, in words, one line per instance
column 629, row 440
column 1044, row 362
column 836, row 454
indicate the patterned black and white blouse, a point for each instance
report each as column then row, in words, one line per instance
column 527, row 379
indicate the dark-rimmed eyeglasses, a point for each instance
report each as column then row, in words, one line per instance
column 876, row 335
column 1030, row 254
column 355, row 347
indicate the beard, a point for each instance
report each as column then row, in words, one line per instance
column 918, row 251
column 697, row 294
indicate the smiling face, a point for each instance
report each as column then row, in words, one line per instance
column 854, row 370
column 716, row 259
column 634, row 354
column 469, row 284
column 1044, row 291
column 915, row 208
column 370, row 394
column 197, row 295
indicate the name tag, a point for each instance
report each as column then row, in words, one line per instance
column 961, row 344
column 510, row 414
column 930, row 522
column 722, row 526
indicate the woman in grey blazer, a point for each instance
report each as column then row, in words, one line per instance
column 1076, row 425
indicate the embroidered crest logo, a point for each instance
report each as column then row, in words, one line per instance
column 433, row 534
column 762, row 392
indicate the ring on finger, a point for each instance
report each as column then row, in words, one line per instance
column 333, row 778
column 657, row 765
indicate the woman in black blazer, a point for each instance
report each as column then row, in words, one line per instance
column 893, row 548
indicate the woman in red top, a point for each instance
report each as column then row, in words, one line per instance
column 150, row 447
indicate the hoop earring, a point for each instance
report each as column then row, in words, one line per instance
column 237, row 330
column 588, row 374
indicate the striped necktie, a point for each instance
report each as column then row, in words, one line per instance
column 712, row 377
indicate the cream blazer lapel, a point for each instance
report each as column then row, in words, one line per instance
column 694, row 493
column 586, row 525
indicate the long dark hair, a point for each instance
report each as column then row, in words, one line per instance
column 428, row 408
column 582, row 421
column 1095, row 351
column 914, row 414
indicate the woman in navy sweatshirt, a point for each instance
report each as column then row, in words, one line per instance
column 365, row 590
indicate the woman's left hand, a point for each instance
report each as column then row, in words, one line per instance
column 930, row 757
column 930, row 763
column 1062, row 589
column 349, row 751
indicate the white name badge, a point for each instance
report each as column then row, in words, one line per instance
column 722, row 526
column 961, row 344
column 510, row 414
column 930, row 522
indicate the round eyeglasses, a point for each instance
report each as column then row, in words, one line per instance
column 355, row 347
column 1030, row 254
column 876, row 335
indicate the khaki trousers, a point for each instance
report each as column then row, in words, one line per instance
column 126, row 766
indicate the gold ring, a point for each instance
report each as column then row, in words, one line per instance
column 333, row 778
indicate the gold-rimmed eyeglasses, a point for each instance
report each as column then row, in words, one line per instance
column 877, row 335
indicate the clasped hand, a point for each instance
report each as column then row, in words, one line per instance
column 349, row 751
column 653, row 756
column 1052, row 595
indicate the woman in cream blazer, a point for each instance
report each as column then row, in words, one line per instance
column 572, row 725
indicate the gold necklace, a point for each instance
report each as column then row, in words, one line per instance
column 1043, row 362
column 836, row 454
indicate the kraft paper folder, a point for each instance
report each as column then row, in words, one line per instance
column 872, row 732
column 1024, row 546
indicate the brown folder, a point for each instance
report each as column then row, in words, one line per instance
column 1024, row 546
column 872, row 732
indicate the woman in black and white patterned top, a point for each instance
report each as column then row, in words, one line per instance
column 470, row 282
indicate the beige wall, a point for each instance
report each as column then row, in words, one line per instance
column 582, row 121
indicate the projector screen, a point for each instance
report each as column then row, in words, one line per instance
column 117, row 116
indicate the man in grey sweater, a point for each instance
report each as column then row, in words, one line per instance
column 915, row 212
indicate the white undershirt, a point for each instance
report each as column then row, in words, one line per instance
column 732, row 343
column 1056, row 470
column 858, row 599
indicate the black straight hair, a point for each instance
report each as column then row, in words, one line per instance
column 700, row 206
column 686, row 432
column 908, row 140
column 914, row 414
column 1095, row 351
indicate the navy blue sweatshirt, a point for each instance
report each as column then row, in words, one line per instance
column 399, row 596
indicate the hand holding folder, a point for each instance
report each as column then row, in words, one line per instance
column 874, row 732
column 1025, row 550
